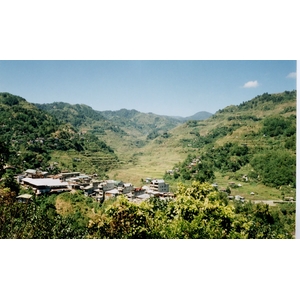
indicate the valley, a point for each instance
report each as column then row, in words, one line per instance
column 241, row 153
column 131, row 146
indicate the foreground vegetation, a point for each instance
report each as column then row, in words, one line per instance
column 199, row 211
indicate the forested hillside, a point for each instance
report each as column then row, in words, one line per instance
column 35, row 138
column 141, row 123
column 135, row 128
column 254, row 141
column 125, row 131
column 81, row 117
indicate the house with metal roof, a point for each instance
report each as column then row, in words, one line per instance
column 46, row 185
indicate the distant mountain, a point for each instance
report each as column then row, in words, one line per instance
column 201, row 115
column 141, row 124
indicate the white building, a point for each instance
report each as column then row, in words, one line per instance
column 159, row 185
column 46, row 185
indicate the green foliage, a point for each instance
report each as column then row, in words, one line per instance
column 275, row 167
column 194, row 169
column 229, row 157
column 198, row 212
column 268, row 99
column 8, row 181
column 35, row 220
column 33, row 135
column 277, row 125
column 121, row 220
column 4, row 155
column 288, row 109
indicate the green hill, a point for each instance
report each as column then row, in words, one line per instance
column 125, row 131
column 37, row 139
column 140, row 124
column 253, row 141
column 255, row 138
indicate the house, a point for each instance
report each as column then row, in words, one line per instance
column 119, row 183
column 31, row 173
column 46, row 185
column 24, row 198
column 240, row 198
column 92, row 188
column 112, row 193
column 64, row 176
column 103, row 187
column 88, row 190
column 143, row 196
column 137, row 192
column 79, row 181
column 153, row 193
column 125, row 188
column 159, row 185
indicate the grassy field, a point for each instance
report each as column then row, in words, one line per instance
column 151, row 161
column 261, row 192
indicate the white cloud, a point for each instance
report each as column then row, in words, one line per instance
column 292, row 75
column 251, row 84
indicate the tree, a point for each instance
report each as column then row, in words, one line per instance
column 4, row 155
column 197, row 212
column 275, row 167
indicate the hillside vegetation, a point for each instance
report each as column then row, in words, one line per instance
column 253, row 143
column 199, row 211
column 37, row 139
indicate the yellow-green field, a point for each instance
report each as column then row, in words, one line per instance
column 150, row 161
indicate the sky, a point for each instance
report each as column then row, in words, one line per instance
column 164, row 87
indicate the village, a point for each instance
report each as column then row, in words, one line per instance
column 42, row 183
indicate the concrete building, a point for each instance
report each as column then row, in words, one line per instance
column 126, row 188
column 159, row 185
column 46, row 185
column 31, row 173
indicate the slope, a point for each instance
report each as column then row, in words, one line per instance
column 234, row 142
column 37, row 139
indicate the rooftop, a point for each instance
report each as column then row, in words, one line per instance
column 45, row 182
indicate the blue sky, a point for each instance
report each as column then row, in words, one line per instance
column 163, row 87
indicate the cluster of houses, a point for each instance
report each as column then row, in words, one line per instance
column 100, row 190
column 41, row 183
